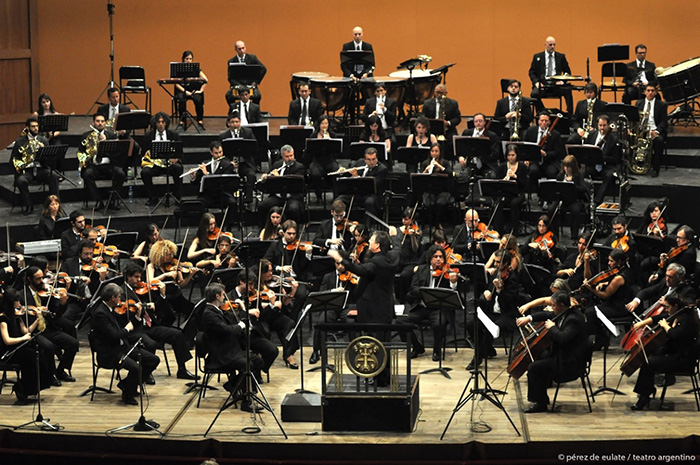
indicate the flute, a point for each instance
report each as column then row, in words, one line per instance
column 194, row 170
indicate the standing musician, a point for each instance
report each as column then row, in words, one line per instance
column 191, row 90
column 678, row 352
column 305, row 110
column 381, row 106
column 273, row 225
column 358, row 71
column 582, row 122
column 335, row 232
column 248, row 111
column 249, row 59
column 158, row 167
column 162, row 266
column 214, row 196
column 545, row 65
column 93, row 168
column 224, row 338
column 86, row 272
column 111, row 347
column 435, row 273
column 148, row 327
column 655, row 123
column 513, row 109
column 518, row 171
column 407, row 239
column 259, row 337
column 612, row 157
column 640, row 72
column 375, row 291
column 27, row 168
column 674, row 283
column 487, row 165
column 246, row 165
column 613, row 294
column 683, row 253
column 551, row 148
column 567, row 357
column 323, row 162
column 287, row 166
column 72, row 236
column 14, row 330
column 579, row 263
column 369, row 167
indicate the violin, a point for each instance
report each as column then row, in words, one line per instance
column 604, row 276
column 445, row 271
column 545, row 241
column 94, row 265
column 63, row 276
column 345, row 223
column 621, row 243
column 450, row 256
column 57, row 293
column 411, row 229
column 298, row 245
column 126, row 306
column 674, row 252
column 214, row 235
column 184, row 267
column 143, row 288
column 109, row 250
column 230, row 305
column 31, row 310
column 349, row 277
column 482, row 233
column 657, row 228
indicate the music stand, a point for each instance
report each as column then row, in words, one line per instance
column 165, row 150
column 295, row 136
column 47, row 156
column 136, row 119
column 350, row 60
column 53, row 123
column 439, row 299
column 181, row 70
column 471, row 147
column 437, row 127
column 117, row 151
column 410, row 65
column 320, row 148
column 261, row 132
column 527, row 151
column 357, row 150
column 412, row 156
column 614, row 110
column 217, row 184
column 240, row 149
column 282, row 185
column 552, row 190
column 356, row 186
column 587, row 154
column 649, row 245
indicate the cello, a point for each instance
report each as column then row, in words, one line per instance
column 531, row 347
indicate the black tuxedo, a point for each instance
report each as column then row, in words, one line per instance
column 537, row 73
column 581, row 113
column 253, row 114
column 349, row 69
column 632, row 92
column 314, row 111
column 565, row 361
column 248, row 59
column 612, row 159
column 105, row 109
column 503, row 108
column 390, row 106
column 452, row 114
column 214, row 195
column 295, row 202
column 102, row 171
column 554, row 149
column 661, row 121
column 109, row 344
column 175, row 170
column 325, row 232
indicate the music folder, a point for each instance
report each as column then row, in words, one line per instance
column 51, row 123
column 587, row 154
column 471, row 147
column 527, row 151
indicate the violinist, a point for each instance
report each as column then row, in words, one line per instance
column 510, row 243
column 14, row 330
column 542, row 245
column 335, row 232
column 109, row 337
column 499, row 302
column 162, row 265
column 567, row 356
column 70, row 237
column 472, row 229
column 654, row 223
column 338, row 280
column 147, row 325
column 321, row 162
column 515, row 170
column 223, row 259
column 683, row 253
column 678, row 352
column 407, row 240
column 359, row 252
column 53, row 339
column 673, row 283
column 582, row 262
column 435, row 204
column 435, row 273
column 570, row 172
column 273, row 225
column 259, row 332
column 203, row 242
column 287, row 166
column 622, row 239
column 613, row 288
column 85, row 266
column 144, row 248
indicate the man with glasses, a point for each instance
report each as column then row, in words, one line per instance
column 682, row 253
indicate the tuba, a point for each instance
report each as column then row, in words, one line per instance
column 88, row 148
column 27, row 153
column 640, row 156
column 515, row 124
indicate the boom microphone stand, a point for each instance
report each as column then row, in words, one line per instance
column 110, row 84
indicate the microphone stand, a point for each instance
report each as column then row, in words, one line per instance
column 141, row 424
column 39, row 422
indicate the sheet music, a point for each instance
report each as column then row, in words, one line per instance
column 607, row 323
column 486, row 321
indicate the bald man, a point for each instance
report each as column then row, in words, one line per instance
column 242, row 56
column 358, row 71
column 433, row 109
column 545, row 64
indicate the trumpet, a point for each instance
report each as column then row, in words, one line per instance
column 194, row 170
column 345, row 170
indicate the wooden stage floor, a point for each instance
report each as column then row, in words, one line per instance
column 572, row 429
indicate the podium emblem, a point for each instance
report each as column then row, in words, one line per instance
column 366, row 356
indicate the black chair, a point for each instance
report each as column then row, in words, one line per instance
column 95, row 372
column 583, row 375
column 188, row 213
column 201, row 350
column 132, row 80
column 6, row 366
column 617, row 71
column 693, row 372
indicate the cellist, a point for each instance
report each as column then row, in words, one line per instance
column 676, row 354
column 567, row 356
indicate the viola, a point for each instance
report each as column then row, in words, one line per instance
column 482, row 233
column 545, row 241
column 349, row 277
column 604, row 276
column 411, row 229
column 621, row 243
column 674, row 252
column 360, row 248
column 230, row 305
column 126, row 306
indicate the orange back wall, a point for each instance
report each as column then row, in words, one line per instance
column 487, row 41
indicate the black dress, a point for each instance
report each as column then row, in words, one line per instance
column 25, row 357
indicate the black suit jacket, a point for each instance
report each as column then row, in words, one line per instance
column 315, row 110
column 611, row 148
column 325, row 232
column 569, row 341
column 379, row 174
column 422, row 278
column 277, row 253
column 244, row 133
column 222, row 336
column 452, row 113
column 659, row 289
column 248, row 59
column 19, row 143
column 375, row 290
column 104, row 109
column 538, row 67
column 151, row 136
column 254, row 115
column 108, row 335
column 633, row 72
column 660, row 114
column 390, row 106
column 349, row 69
column 69, row 243
column 495, row 155
column 225, row 167
column 580, row 113
column 503, row 108
column 553, row 147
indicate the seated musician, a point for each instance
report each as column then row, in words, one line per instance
column 164, row 267
column 582, row 121
column 259, row 333
column 640, row 72
column 213, row 195
column 435, row 204
column 655, row 112
column 248, row 111
column 111, row 346
column 27, row 168
column 273, row 225
column 370, row 166
column 508, row 242
column 291, row 260
column 13, row 332
column 148, row 327
column 623, row 240
column 542, row 245
column 612, row 157
column 446, row 109
column 544, row 65
column 547, row 302
column 51, row 213
column 151, row 167
column 207, row 234
column 613, row 294
column 358, row 71
column 223, row 258
column 335, row 232
column 373, row 132
column 225, row 337
column 576, row 207
column 673, row 283
column 435, row 273
column 280, row 311
column 499, row 303
column 191, row 90
column 246, row 165
column 551, row 149
column 420, row 137
column 683, row 253
column 579, row 263
column 249, row 59
column 72, row 236
column 287, row 166
column 45, row 107
column 654, row 223
column 469, row 231
column 407, row 240
column 678, row 352
column 513, row 110
column 144, row 248
column 518, row 171
column 320, row 164
column 303, row 111
column 93, row 168
column 382, row 107
column 568, row 355
column 487, row 164
column 338, row 280
column 85, row 272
